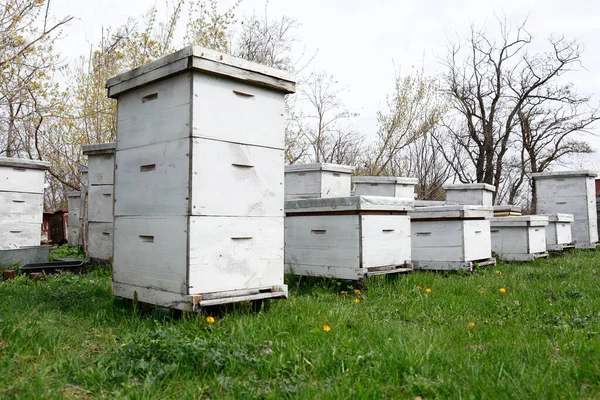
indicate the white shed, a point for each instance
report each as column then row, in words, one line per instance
column 100, row 226
column 571, row 192
column 347, row 237
column 451, row 237
column 311, row 181
column 474, row 194
column 199, row 180
column 519, row 238
column 22, row 202
column 390, row 186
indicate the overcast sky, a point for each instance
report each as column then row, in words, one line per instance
column 359, row 42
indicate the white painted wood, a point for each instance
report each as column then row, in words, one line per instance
column 21, row 207
column 307, row 181
column 352, row 203
column 451, row 212
column 507, row 211
column 100, row 203
column 153, row 180
column 155, row 113
column 385, row 240
column 450, row 242
column 73, row 235
column 237, row 112
column 232, row 179
column 101, row 169
column 152, row 252
column 19, row 234
column 470, row 194
column 570, row 192
column 384, row 186
column 100, row 240
column 21, row 179
column 229, row 253
column 74, row 209
column 519, row 238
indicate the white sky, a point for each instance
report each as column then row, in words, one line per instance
column 359, row 41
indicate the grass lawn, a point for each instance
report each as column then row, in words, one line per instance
column 428, row 335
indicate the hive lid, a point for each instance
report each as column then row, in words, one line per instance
column 562, row 174
column 23, row 163
column 433, row 203
column 99, row 149
column 385, row 179
column 560, row 217
column 523, row 220
column 378, row 203
column 470, row 186
column 452, row 212
column 198, row 58
column 346, row 169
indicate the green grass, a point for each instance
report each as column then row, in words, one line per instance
column 62, row 337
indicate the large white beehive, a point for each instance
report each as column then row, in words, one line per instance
column 519, row 238
column 312, row 181
column 480, row 194
column 453, row 237
column 390, row 186
column 199, row 180
column 347, row 237
column 571, row 192
column 21, row 202
column 101, row 166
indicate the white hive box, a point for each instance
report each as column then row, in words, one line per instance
column 347, row 237
column 199, row 167
column 507, row 211
column 390, row 186
column 101, row 168
column 558, row 232
column 21, row 202
column 519, row 238
column 571, row 192
column 455, row 237
column 480, row 194
column 313, row 181
column 74, row 226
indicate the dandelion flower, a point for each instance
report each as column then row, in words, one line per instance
column 480, row 291
column 356, row 300
column 471, row 324
column 344, row 292
column 502, row 290
column 427, row 290
column 326, row 328
column 210, row 320
column 357, row 291
column 499, row 272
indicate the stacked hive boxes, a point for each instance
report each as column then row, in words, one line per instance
column 101, row 163
column 199, row 180
column 570, row 192
column 22, row 202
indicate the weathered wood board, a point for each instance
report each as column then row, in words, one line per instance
column 470, row 194
column 100, row 241
column 558, row 232
column 384, row 186
column 100, row 203
column 309, row 181
column 519, row 238
column 21, row 207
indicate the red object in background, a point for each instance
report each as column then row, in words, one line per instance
column 597, row 187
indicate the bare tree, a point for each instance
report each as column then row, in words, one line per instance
column 490, row 82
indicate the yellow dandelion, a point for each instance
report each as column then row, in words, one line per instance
column 471, row 324
column 357, row 291
column 210, row 320
column 427, row 290
column 356, row 300
column 326, row 328
column 499, row 272
column 480, row 291
column 344, row 292
column 502, row 290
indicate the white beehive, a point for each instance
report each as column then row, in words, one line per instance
column 199, row 180
column 507, row 211
column 22, row 202
column 480, row 194
column 558, row 232
column 571, row 192
column 101, row 167
column 519, row 238
column 390, row 186
column 312, row 181
column 74, row 225
column 347, row 237
column 455, row 237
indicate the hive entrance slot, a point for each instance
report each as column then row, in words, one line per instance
column 388, row 230
column 243, row 94
column 18, row 201
column 318, row 231
column 147, row 238
column 147, row 168
column 150, row 97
